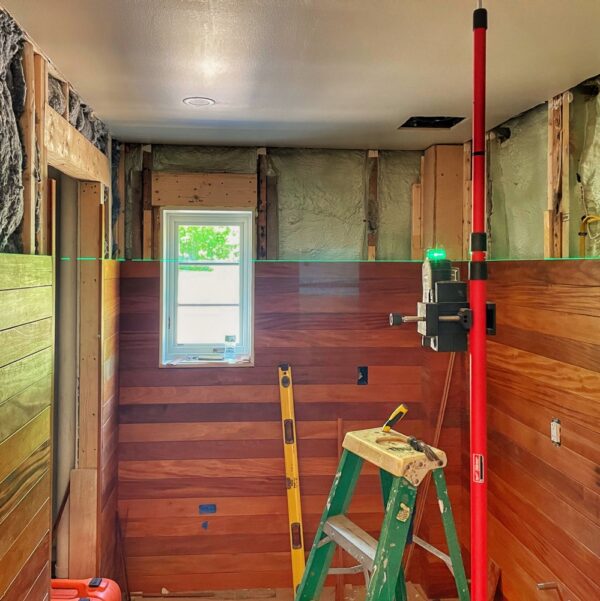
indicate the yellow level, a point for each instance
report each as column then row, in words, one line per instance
column 292, row 476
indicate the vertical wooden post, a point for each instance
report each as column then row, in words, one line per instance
column 108, row 225
column 565, row 151
column 416, row 249
column 467, row 202
column 553, row 244
column 261, row 207
column 83, row 535
column 83, row 523
column 52, row 217
column 156, row 229
column 372, row 203
column 27, row 123
column 91, row 242
column 272, row 218
column 147, row 227
column 428, row 192
column 443, row 199
column 41, row 97
column 121, row 219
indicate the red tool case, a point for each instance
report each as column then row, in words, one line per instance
column 92, row 589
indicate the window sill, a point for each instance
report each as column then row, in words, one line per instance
column 208, row 363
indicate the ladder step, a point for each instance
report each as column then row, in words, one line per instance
column 353, row 539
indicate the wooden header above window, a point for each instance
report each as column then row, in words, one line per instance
column 214, row 190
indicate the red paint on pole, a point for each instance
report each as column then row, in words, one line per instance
column 478, row 334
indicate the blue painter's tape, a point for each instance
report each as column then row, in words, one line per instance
column 207, row 508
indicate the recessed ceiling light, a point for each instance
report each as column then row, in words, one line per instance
column 198, row 101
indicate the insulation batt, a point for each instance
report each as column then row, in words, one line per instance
column 585, row 149
column 11, row 153
column 321, row 203
column 518, row 172
column 398, row 171
column 208, row 159
column 82, row 118
column 56, row 97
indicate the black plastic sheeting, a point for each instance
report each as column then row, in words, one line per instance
column 12, row 95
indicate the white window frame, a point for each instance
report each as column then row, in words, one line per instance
column 172, row 353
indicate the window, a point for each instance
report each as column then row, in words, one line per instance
column 207, row 287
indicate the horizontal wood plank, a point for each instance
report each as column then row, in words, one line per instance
column 30, row 537
column 16, row 377
column 25, row 340
column 20, row 445
column 35, row 565
column 17, row 484
column 24, row 271
column 24, row 406
column 23, row 513
column 24, row 305
column 72, row 153
column 214, row 190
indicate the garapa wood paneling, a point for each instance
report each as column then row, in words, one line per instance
column 26, row 365
column 195, row 436
column 109, row 555
column 544, row 363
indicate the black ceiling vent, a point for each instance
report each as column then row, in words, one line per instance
column 431, row 122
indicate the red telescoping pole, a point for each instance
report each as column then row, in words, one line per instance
column 478, row 334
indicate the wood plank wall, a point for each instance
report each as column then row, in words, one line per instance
column 26, row 363
column 193, row 437
column 544, row 363
column 109, row 564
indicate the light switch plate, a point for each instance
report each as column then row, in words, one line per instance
column 555, row 432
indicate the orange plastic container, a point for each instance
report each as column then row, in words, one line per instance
column 91, row 589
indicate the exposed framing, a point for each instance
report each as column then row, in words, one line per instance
column 372, row 204
column 51, row 141
column 83, row 532
column 27, row 123
column 556, row 216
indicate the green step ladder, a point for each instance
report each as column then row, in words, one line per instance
column 402, row 468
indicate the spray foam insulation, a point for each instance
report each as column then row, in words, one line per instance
column 585, row 162
column 398, row 171
column 83, row 119
column 205, row 159
column 518, row 187
column 12, row 94
column 56, row 96
column 321, row 196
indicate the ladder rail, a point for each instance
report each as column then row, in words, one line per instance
column 380, row 561
column 319, row 560
column 434, row 551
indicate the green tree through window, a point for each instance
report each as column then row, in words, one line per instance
column 206, row 243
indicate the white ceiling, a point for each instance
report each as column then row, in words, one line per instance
column 323, row 73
